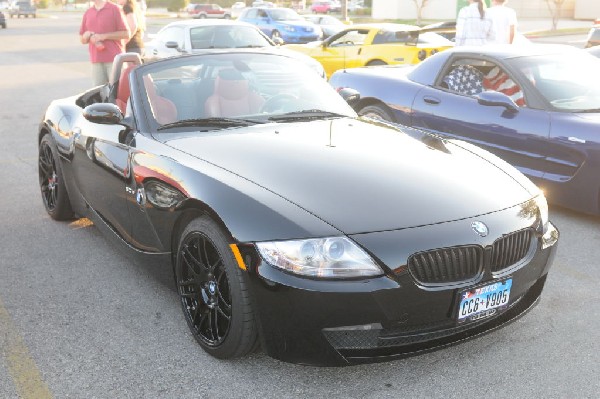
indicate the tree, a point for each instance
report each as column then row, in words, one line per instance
column 419, row 5
column 554, row 6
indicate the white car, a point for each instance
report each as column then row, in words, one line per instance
column 196, row 35
column 236, row 9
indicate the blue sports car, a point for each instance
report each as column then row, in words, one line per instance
column 537, row 107
column 282, row 24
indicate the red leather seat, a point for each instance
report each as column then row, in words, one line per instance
column 123, row 90
column 232, row 97
column 164, row 110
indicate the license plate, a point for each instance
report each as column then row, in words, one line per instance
column 486, row 301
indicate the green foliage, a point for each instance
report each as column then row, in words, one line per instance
column 42, row 4
column 362, row 11
column 176, row 5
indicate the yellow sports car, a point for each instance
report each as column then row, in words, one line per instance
column 374, row 44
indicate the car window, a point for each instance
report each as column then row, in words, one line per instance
column 285, row 14
column 470, row 76
column 404, row 37
column 351, row 38
column 568, row 83
column 171, row 34
column 250, row 14
column 238, row 85
column 204, row 37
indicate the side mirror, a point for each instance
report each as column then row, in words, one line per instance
column 108, row 114
column 174, row 45
column 496, row 99
column 103, row 113
column 349, row 95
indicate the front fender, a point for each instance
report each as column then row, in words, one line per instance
column 248, row 211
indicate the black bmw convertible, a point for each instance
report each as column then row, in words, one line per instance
column 290, row 223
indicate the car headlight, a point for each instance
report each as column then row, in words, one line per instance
column 289, row 28
column 332, row 257
column 542, row 204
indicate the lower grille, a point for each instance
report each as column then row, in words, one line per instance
column 446, row 265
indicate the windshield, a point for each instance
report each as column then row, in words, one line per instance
column 568, row 82
column 283, row 14
column 204, row 37
column 242, row 89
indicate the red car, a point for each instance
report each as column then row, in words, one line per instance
column 321, row 7
column 209, row 11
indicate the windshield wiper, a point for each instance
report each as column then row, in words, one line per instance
column 307, row 114
column 213, row 122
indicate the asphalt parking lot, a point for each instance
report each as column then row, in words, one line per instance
column 79, row 320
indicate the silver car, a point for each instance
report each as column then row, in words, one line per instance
column 193, row 36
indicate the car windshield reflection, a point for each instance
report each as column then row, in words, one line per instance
column 569, row 84
column 249, row 87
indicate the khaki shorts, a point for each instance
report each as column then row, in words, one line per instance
column 101, row 72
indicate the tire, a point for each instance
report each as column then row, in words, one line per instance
column 377, row 112
column 202, row 16
column 275, row 34
column 52, row 185
column 227, row 16
column 376, row 62
column 214, row 297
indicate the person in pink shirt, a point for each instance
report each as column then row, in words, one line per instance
column 103, row 29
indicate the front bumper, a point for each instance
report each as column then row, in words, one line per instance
column 336, row 323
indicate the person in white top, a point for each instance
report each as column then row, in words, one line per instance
column 473, row 26
column 504, row 20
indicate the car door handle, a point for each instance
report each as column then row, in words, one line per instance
column 431, row 100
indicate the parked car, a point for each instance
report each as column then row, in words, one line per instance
column 236, row 9
column 22, row 8
column 2, row 20
column 233, row 168
column 593, row 37
column 282, row 23
column 209, row 11
column 536, row 107
column 192, row 36
column 329, row 25
column 322, row 7
column 374, row 44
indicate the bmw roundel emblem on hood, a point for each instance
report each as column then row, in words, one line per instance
column 480, row 228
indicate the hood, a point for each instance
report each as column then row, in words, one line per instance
column 298, row 23
column 360, row 176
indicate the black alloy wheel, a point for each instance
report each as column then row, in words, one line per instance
column 52, row 186
column 213, row 295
